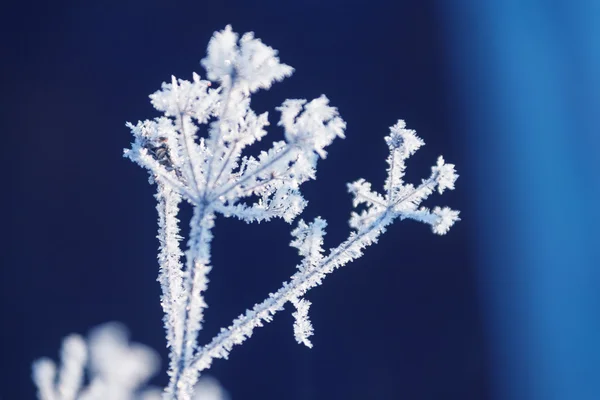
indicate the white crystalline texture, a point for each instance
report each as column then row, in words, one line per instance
column 446, row 218
column 445, row 175
column 309, row 128
column 400, row 199
column 211, row 174
column 302, row 326
column 193, row 153
column 308, row 239
column 250, row 64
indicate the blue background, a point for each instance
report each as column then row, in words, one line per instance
column 503, row 307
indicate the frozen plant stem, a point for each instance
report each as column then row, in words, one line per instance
column 300, row 283
column 196, row 282
column 211, row 174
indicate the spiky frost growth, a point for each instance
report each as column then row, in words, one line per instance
column 400, row 201
column 211, row 174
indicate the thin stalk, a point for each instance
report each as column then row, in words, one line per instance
column 198, row 258
column 299, row 283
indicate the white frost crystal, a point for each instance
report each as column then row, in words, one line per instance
column 212, row 175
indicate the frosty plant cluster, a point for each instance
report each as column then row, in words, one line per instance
column 212, row 174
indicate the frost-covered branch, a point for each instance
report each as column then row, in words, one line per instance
column 401, row 201
column 194, row 153
column 171, row 272
column 212, row 175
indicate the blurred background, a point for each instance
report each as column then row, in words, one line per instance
column 505, row 306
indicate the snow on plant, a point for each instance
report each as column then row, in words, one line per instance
column 213, row 175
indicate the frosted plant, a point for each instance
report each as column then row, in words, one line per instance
column 117, row 370
column 211, row 174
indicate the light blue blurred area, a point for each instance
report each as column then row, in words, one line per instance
column 526, row 81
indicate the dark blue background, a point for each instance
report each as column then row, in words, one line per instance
column 415, row 318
